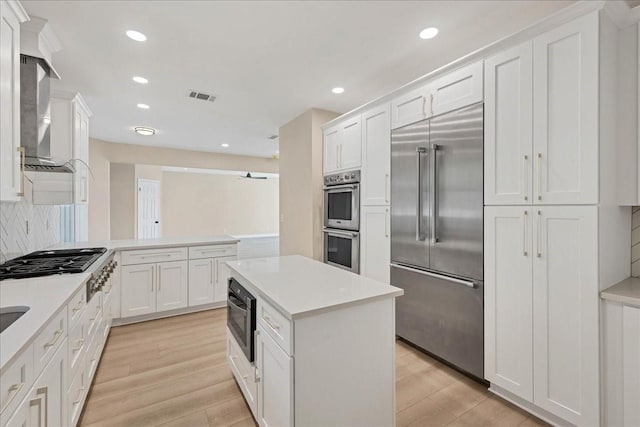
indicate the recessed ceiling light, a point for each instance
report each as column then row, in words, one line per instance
column 140, row 80
column 225, row 145
column 142, row 130
column 337, row 90
column 428, row 33
column 136, row 35
column 143, row 106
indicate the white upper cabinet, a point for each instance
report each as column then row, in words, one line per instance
column 410, row 107
column 11, row 15
column 508, row 304
column 376, row 157
column 565, row 113
column 508, row 131
column 70, row 138
column 565, row 313
column 343, row 145
column 456, row 90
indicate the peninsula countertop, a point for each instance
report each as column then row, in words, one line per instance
column 626, row 292
column 299, row 286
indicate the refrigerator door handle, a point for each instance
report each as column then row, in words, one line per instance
column 467, row 283
column 433, row 194
column 419, row 235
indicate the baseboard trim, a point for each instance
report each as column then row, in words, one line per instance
column 164, row 314
column 529, row 407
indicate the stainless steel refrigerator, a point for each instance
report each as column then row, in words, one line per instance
column 437, row 236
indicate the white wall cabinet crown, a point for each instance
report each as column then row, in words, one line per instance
column 342, row 146
column 11, row 15
column 542, row 147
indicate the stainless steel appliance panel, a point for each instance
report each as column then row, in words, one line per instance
column 410, row 195
column 241, row 317
column 342, row 249
column 441, row 316
column 456, row 142
column 342, row 207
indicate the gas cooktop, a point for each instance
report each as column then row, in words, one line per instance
column 45, row 263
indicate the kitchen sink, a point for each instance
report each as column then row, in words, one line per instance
column 8, row 315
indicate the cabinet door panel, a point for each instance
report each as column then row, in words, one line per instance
column 201, row 281
column 376, row 157
column 351, row 146
column 138, row 290
column 375, row 243
column 508, row 132
column 172, row 283
column 409, row 107
column 565, row 114
column 631, row 364
column 222, row 277
column 331, row 147
column 275, row 400
column 10, row 175
column 457, row 89
column 51, row 389
column 565, row 313
column 508, row 301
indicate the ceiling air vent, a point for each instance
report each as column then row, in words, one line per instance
column 272, row 137
column 200, row 95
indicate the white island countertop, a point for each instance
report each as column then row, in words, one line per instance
column 164, row 242
column 626, row 292
column 300, row 286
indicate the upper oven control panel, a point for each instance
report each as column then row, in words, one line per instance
column 352, row 177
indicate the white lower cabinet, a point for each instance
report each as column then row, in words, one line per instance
column 541, row 297
column 201, row 281
column 275, row 370
column 375, row 244
column 150, row 288
column 222, row 276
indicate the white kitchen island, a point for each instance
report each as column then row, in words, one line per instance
column 324, row 345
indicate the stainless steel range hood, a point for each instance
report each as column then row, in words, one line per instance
column 35, row 117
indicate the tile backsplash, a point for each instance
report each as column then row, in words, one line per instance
column 17, row 238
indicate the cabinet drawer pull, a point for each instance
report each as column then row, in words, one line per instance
column 56, row 335
column 539, row 176
column 273, row 326
column 525, row 168
column 23, row 162
column 387, row 179
column 80, row 390
column 78, row 307
column 539, row 252
column 524, row 233
column 13, row 390
column 80, row 343
column 431, row 104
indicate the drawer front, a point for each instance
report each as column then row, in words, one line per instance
column 148, row 256
column 92, row 356
column 243, row 371
column 75, row 308
column 211, row 251
column 77, row 344
column 48, row 341
column 15, row 382
column 75, row 397
column 276, row 325
column 94, row 309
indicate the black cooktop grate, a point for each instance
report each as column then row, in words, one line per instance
column 45, row 263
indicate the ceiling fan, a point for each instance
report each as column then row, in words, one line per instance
column 249, row 176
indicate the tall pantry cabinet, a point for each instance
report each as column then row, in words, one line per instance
column 547, row 195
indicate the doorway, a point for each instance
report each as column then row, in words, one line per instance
column 148, row 209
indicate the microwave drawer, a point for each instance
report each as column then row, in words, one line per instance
column 147, row 256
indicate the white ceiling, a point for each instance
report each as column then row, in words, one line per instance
column 266, row 61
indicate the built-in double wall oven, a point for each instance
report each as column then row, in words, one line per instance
column 241, row 317
column 342, row 220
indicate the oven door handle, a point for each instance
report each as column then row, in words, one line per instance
column 335, row 188
column 340, row 233
column 236, row 306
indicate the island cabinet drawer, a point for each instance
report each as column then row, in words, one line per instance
column 78, row 388
column 211, row 251
column 77, row 345
column 277, row 325
column 48, row 341
column 147, row 256
column 75, row 308
column 15, row 382
column 94, row 308
column 243, row 371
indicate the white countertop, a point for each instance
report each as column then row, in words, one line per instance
column 44, row 296
column 627, row 292
column 300, row 286
column 166, row 242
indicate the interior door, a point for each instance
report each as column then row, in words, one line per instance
column 410, row 195
column 457, row 197
column 148, row 209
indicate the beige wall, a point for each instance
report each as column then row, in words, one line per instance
column 301, row 184
column 197, row 204
column 122, row 201
column 102, row 153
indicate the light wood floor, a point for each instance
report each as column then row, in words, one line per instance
column 172, row 372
